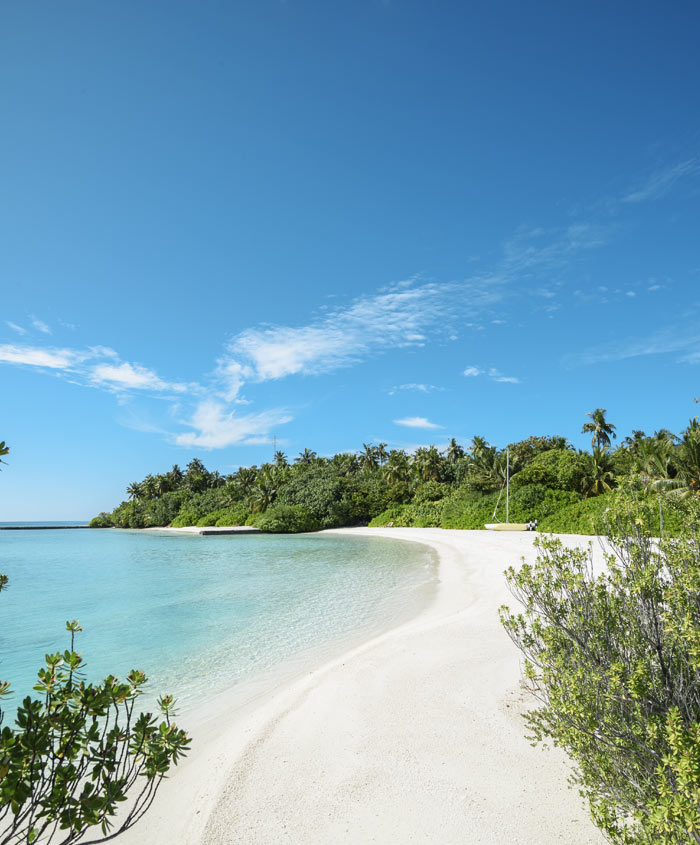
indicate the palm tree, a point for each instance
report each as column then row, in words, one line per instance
column 149, row 487
column 428, row 463
column 345, row 463
column 163, row 485
column 280, row 459
column 632, row 443
column 490, row 467
column 599, row 427
column 306, row 457
column 4, row 450
column 653, row 459
column 381, row 453
column 397, row 467
column 265, row 490
column 600, row 477
column 135, row 490
column 368, row 457
column 478, row 446
column 196, row 467
column 215, row 479
column 663, row 435
column 687, row 456
column 454, row 451
column 245, row 479
column 176, row 474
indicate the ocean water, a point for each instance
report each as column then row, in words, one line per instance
column 199, row 615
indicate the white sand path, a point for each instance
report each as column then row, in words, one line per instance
column 414, row 737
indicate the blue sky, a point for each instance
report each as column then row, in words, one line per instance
column 337, row 223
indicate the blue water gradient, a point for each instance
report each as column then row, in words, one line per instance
column 198, row 614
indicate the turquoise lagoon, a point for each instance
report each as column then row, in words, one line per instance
column 200, row 615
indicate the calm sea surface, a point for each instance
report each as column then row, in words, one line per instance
column 198, row 614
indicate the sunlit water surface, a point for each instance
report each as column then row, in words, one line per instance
column 199, row 614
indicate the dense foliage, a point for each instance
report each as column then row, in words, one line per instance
column 614, row 659
column 564, row 489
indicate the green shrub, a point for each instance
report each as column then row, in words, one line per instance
column 223, row 517
column 232, row 516
column 426, row 514
column 186, row 518
column 285, row 519
column 582, row 517
column 535, row 501
column 319, row 491
column 102, row 520
column 390, row 515
column 466, row 509
column 431, row 491
column 559, row 469
column 589, row 516
column 423, row 515
column 77, row 750
column 207, row 520
column 614, row 660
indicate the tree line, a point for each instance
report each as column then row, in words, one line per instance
column 456, row 487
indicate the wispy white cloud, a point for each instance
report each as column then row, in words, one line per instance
column 34, row 356
column 215, row 427
column 492, row 373
column 95, row 366
column 417, row 422
column 125, row 376
column 420, row 388
column 402, row 317
column 495, row 375
column 40, row 326
column 661, row 181
column 16, row 328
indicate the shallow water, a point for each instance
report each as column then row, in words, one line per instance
column 198, row 614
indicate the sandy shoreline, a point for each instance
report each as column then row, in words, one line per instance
column 412, row 737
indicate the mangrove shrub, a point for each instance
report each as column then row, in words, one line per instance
column 613, row 658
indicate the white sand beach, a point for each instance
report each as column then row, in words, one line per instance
column 413, row 737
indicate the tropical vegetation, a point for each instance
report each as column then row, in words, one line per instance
column 613, row 658
column 458, row 486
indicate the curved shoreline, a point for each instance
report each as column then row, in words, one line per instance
column 412, row 736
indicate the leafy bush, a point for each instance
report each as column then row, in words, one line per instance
column 582, row 517
column 130, row 515
column 614, row 660
column 285, row 519
column 224, row 517
column 465, row 509
column 426, row 514
column 317, row 491
column 537, row 502
column 159, row 512
column 524, row 451
column 78, row 750
column 102, row 520
column 431, row 491
column 559, row 469
column 231, row 516
column 391, row 517
column 186, row 517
